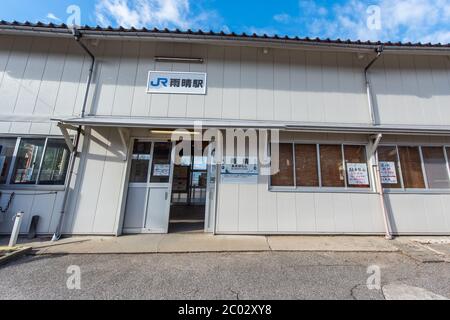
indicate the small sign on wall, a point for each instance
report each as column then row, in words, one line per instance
column 168, row 82
column 388, row 172
column 357, row 174
column 240, row 173
column 161, row 170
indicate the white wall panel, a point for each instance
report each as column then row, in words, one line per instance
column 282, row 86
column 286, row 212
column 178, row 102
column 232, row 82
column 265, row 85
column 160, row 102
column 51, row 79
column 32, row 78
column 214, row 97
column 247, row 103
column 196, row 103
column 123, row 95
column 140, row 106
column 14, row 73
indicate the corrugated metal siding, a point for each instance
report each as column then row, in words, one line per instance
column 46, row 77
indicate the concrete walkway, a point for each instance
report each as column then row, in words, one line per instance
column 199, row 242
column 421, row 249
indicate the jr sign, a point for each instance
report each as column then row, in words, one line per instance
column 176, row 82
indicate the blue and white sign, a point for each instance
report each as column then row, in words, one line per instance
column 176, row 82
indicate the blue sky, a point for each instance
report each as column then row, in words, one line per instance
column 386, row 20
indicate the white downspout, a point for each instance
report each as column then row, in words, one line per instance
column 379, row 185
column 379, row 51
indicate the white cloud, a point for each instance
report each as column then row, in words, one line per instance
column 153, row 13
column 404, row 20
column 401, row 20
column 52, row 16
column 282, row 18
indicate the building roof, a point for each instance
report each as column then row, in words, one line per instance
column 63, row 29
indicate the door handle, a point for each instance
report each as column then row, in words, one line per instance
column 166, row 195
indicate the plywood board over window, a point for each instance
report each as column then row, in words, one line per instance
column 332, row 169
column 285, row 177
column 306, row 166
column 411, row 165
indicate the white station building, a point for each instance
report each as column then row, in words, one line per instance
column 86, row 116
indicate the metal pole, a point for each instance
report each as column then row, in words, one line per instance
column 16, row 229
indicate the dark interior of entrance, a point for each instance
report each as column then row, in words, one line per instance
column 187, row 210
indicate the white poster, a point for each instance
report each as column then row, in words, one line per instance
column 357, row 174
column 388, row 173
column 161, row 170
column 176, row 82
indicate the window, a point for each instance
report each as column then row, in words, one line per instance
column 389, row 167
column 306, row 166
column 28, row 161
column 161, row 162
column 285, row 177
column 37, row 161
column 414, row 167
column 436, row 167
column 411, row 165
column 331, row 167
column 140, row 161
column 319, row 166
column 55, row 163
column 7, row 146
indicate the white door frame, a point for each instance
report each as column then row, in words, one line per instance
column 147, row 185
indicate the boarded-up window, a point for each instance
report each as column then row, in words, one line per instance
column 306, row 165
column 411, row 167
column 389, row 167
column 285, row 178
column 356, row 166
column 435, row 167
column 331, row 166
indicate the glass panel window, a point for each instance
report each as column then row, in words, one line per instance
column 55, row 163
column 28, row 161
column 140, row 162
column 435, row 167
column 285, row 177
column 306, row 165
column 7, row 146
column 356, row 166
column 389, row 167
column 331, row 167
column 411, row 167
column 161, row 162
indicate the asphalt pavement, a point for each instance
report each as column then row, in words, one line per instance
column 240, row 276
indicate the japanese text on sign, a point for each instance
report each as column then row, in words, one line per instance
column 176, row 82
column 357, row 174
column 388, row 173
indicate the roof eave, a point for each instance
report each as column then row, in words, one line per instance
column 218, row 39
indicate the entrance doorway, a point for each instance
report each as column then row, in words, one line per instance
column 189, row 194
column 163, row 197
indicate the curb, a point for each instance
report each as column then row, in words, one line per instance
column 14, row 255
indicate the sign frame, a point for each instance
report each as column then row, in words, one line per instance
column 186, row 91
